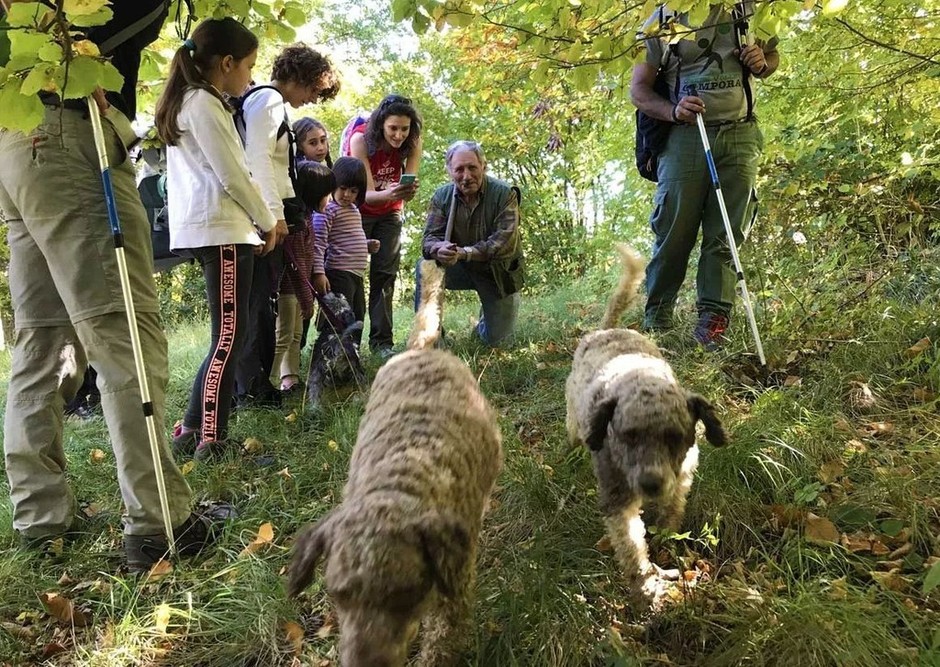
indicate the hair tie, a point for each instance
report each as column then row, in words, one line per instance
column 190, row 45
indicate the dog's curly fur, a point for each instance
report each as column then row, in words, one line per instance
column 335, row 359
column 402, row 547
column 625, row 404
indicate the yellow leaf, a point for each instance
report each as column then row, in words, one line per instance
column 161, row 617
column 285, row 474
column 187, row 467
column 97, row 456
column 63, row 610
column 332, row 445
column 920, row 346
column 291, row 418
column 264, row 537
column 252, row 445
column 808, row 4
column 295, row 635
column 820, row 530
column 85, row 47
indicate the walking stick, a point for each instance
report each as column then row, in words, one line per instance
column 118, row 237
column 745, row 295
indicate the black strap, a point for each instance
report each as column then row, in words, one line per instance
column 284, row 128
column 741, row 27
column 111, row 43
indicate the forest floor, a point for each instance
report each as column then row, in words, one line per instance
column 811, row 539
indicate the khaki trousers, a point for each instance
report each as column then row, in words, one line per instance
column 68, row 303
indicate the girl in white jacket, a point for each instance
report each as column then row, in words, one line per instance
column 216, row 213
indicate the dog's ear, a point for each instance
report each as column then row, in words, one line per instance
column 311, row 545
column 701, row 409
column 597, row 426
column 446, row 548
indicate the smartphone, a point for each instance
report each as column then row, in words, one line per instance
column 407, row 179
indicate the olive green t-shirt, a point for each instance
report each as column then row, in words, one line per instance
column 705, row 63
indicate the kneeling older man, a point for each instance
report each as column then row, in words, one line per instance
column 483, row 251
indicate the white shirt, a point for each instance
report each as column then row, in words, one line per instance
column 211, row 197
column 268, row 156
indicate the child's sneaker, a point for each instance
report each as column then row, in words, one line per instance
column 184, row 441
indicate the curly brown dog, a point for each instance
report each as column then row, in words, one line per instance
column 401, row 549
column 625, row 404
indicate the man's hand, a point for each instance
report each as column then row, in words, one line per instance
column 373, row 245
column 320, row 283
column 270, row 240
column 446, row 253
column 753, row 58
column 280, row 231
column 101, row 100
column 688, row 108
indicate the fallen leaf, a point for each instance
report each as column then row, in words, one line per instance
column 603, row 545
column 856, row 543
column 160, row 569
column 291, row 418
column 878, row 548
column 842, row 424
column 332, row 445
column 91, row 510
column 793, row 381
column 52, row 649
column 838, row 590
column 830, row 472
column 63, row 610
column 295, row 635
column 264, row 537
column 252, row 445
column 329, row 623
column 161, row 617
column 923, row 395
column 18, row 631
column 880, row 428
column 892, row 581
column 187, row 467
column 854, row 446
column 285, row 473
column 65, row 580
column 819, row 530
column 97, row 455
column 917, row 348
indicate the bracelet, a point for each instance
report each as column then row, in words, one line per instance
column 675, row 116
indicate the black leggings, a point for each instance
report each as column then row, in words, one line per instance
column 228, row 270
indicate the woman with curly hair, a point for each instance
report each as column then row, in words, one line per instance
column 299, row 76
column 389, row 145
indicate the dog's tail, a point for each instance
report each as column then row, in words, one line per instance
column 427, row 325
column 625, row 294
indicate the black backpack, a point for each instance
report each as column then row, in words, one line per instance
column 652, row 133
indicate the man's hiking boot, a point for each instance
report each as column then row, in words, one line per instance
column 200, row 530
column 710, row 331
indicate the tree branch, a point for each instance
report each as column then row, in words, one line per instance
column 889, row 47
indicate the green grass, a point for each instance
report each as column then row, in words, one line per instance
column 548, row 594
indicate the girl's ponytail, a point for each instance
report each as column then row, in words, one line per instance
column 211, row 41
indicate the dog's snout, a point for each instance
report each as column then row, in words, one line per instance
column 651, row 482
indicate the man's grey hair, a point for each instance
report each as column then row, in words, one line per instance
column 464, row 145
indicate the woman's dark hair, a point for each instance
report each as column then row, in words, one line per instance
column 350, row 172
column 302, row 127
column 212, row 40
column 306, row 67
column 392, row 105
column 314, row 182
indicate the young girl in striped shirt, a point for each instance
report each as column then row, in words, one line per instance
column 341, row 250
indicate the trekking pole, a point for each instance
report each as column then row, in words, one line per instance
column 118, row 237
column 739, row 272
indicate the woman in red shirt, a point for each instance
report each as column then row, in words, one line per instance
column 389, row 145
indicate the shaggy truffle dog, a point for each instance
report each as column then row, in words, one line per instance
column 624, row 403
column 401, row 549
column 335, row 360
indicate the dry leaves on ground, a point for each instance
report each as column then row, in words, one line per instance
column 264, row 538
